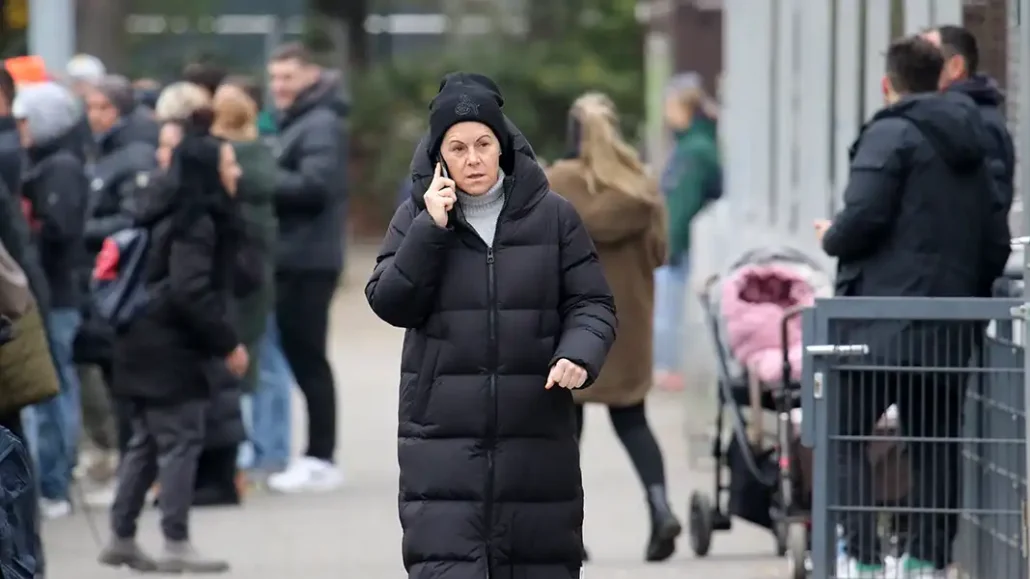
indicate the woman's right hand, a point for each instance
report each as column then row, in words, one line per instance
column 440, row 197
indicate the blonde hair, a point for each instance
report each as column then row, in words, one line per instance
column 179, row 100
column 235, row 114
column 608, row 159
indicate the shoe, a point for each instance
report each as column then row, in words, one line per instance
column 181, row 557
column 911, row 568
column 126, row 553
column 101, row 497
column 54, row 508
column 307, row 474
column 850, row 568
column 665, row 527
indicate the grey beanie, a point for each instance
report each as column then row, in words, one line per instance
column 50, row 110
column 118, row 90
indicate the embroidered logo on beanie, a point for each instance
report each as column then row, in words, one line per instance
column 466, row 107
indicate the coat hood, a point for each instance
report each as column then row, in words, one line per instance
column 325, row 93
column 526, row 175
column 951, row 123
column 982, row 89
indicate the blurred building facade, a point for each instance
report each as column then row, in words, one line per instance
column 799, row 77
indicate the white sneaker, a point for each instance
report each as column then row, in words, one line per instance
column 849, row 568
column 54, row 509
column 307, row 474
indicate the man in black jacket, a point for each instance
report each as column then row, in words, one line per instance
column 126, row 143
column 920, row 219
column 960, row 74
column 55, row 186
column 310, row 198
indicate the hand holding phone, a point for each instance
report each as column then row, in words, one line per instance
column 440, row 196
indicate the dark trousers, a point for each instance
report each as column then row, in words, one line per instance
column 930, row 407
column 122, row 410
column 302, row 312
column 12, row 422
column 635, row 434
column 166, row 444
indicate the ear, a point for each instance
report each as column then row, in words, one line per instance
column 885, row 86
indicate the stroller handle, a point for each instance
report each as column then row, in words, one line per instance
column 788, row 315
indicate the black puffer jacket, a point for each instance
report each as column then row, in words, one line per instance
column 310, row 196
column 164, row 355
column 490, row 481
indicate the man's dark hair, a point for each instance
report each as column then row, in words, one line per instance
column 957, row 41
column 914, row 65
column 204, row 74
column 292, row 51
column 249, row 86
column 7, row 89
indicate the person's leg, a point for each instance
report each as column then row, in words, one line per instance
column 215, row 483
column 178, row 432
column 861, row 400
column 57, row 420
column 136, row 474
column 303, row 316
column 669, row 320
column 65, row 323
column 635, row 433
column 931, row 408
column 271, row 405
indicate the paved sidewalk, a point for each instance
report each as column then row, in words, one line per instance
column 354, row 533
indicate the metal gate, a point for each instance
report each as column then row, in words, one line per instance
column 919, row 455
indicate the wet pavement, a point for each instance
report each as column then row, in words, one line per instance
column 354, row 532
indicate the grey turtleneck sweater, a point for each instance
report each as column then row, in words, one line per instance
column 482, row 211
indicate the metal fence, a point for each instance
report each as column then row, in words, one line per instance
column 920, row 455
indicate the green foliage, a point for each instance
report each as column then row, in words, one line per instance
column 539, row 78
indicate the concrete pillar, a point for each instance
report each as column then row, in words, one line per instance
column 51, row 33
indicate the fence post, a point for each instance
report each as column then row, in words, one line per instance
column 1022, row 12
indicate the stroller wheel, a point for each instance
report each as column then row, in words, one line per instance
column 701, row 526
column 797, row 552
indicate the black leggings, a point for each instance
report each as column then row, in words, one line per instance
column 302, row 311
column 634, row 432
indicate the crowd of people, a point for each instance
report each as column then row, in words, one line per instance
column 526, row 291
column 238, row 209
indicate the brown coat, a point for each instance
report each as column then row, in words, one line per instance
column 630, row 236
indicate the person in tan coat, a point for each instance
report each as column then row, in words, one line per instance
column 624, row 214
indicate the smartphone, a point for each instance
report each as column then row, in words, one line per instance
column 443, row 169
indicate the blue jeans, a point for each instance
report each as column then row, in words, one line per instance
column 52, row 427
column 267, row 411
column 670, row 303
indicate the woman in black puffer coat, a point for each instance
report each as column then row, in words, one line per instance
column 506, row 309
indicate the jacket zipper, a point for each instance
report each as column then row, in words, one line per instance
column 491, row 425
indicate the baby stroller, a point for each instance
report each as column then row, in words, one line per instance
column 753, row 312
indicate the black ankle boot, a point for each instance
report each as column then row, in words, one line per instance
column 665, row 527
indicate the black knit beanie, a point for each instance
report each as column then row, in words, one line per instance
column 466, row 97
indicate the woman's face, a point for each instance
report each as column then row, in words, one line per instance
column 228, row 169
column 676, row 114
column 472, row 155
column 167, row 141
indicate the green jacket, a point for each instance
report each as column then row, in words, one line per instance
column 255, row 196
column 693, row 166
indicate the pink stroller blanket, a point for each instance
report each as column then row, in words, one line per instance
column 753, row 301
